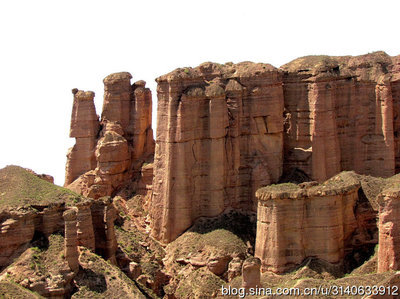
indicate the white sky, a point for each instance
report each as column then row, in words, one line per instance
column 49, row 47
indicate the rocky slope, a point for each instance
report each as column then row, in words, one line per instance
column 341, row 114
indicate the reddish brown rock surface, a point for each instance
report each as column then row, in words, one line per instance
column 220, row 130
column 71, row 241
column 251, row 273
column 85, row 232
column 219, row 138
column 16, row 229
column 318, row 221
column 84, row 128
column 389, row 230
column 342, row 114
column 109, row 154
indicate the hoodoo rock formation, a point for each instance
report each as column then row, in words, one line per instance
column 108, row 154
column 38, row 219
column 71, row 241
column 104, row 215
column 226, row 131
column 219, row 138
column 84, row 128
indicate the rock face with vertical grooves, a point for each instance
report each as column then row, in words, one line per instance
column 219, row 138
column 71, row 241
column 85, row 232
column 84, row 128
column 220, row 130
column 295, row 222
column 389, row 230
column 109, row 154
column 103, row 217
column 251, row 273
column 341, row 113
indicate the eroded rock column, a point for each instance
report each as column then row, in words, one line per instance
column 71, row 241
column 339, row 115
column 389, row 230
column 104, row 215
column 84, row 127
column 85, row 233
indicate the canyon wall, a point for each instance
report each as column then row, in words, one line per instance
column 219, row 138
column 342, row 113
column 109, row 153
column 225, row 130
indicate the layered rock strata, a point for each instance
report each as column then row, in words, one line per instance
column 109, row 154
column 219, row 138
column 295, row 222
column 342, row 113
column 71, row 240
column 389, row 230
column 16, row 229
column 85, row 231
column 103, row 217
column 220, row 130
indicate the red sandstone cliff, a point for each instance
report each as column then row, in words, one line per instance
column 220, row 130
column 342, row 114
column 389, row 230
column 226, row 130
column 109, row 154
column 219, row 138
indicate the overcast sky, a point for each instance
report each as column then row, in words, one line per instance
column 49, row 47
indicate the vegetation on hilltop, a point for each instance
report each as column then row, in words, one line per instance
column 19, row 187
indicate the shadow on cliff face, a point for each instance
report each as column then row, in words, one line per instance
column 295, row 176
column 40, row 240
column 361, row 245
column 241, row 224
